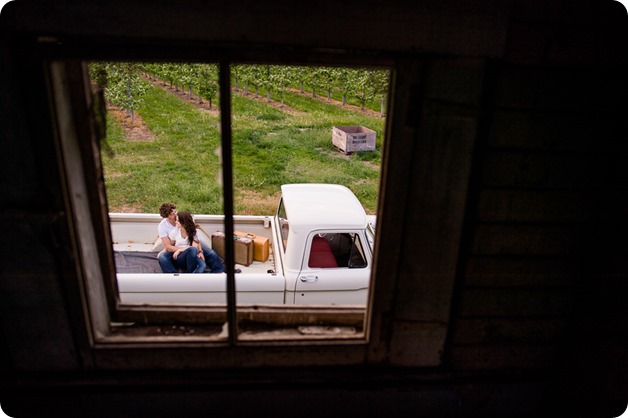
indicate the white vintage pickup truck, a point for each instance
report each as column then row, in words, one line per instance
column 320, row 242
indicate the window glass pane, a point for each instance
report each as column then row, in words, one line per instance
column 304, row 144
column 162, row 170
column 295, row 127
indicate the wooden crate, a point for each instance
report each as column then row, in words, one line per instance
column 350, row 139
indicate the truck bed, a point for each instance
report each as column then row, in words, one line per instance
column 129, row 261
column 135, row 240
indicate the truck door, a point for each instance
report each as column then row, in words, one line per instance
column 335, row 269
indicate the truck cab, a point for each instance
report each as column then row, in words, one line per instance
column 326, row 244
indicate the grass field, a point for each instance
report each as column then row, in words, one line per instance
column 270, row 148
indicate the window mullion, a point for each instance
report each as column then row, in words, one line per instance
column 227, row 180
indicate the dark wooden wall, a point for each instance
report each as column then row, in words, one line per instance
column 523, row 101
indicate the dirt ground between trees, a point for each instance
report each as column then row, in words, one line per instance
column 134, row 127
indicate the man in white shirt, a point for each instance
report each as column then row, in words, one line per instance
column 168, row 212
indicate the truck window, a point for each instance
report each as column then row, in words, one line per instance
column 357, row 259
column 334, row 250
column 284, row 227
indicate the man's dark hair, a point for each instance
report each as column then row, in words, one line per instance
column 166, row 208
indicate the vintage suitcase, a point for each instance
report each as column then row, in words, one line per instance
column 243, row 248
column 261, row 245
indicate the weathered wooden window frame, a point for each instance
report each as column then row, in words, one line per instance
column 399, row 329
column 86, row 198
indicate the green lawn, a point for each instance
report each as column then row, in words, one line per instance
column 270, row 148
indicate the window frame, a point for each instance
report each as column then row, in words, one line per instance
column 398, row 330
column 63, row 81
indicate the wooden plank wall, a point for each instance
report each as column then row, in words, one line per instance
column 539, row 240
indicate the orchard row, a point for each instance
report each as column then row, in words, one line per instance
column 124, row 87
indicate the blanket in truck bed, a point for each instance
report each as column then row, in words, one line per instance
column 136, row 262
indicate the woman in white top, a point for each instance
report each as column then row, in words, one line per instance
column 188, row 256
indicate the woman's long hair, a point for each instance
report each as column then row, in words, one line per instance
column 187, row 222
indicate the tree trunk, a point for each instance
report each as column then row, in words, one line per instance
column 383, row 106
column 344, row 99
column 128, row 94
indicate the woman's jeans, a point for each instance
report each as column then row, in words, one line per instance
column 188, row 262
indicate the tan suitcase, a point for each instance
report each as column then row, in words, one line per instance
column 242, row 246
column 261, row 245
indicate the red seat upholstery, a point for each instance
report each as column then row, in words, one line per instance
column 321, row 254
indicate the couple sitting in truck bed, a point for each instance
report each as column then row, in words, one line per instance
column 183, row 251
